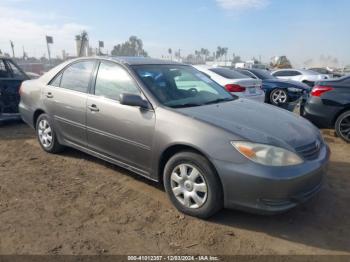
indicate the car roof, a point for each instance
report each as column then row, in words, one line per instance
column 139, row 60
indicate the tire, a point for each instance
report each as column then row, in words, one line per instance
column 46, row 135
column 279, row 97
column 203, row 202
column 342, row 126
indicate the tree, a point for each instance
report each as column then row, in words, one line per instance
column 83, row 38
column 205, row 53
column 170, row 52
column 132, row 47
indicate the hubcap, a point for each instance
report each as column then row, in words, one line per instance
column 345, row 127
column 279, row 97
column 189, row 186
column 45, row 133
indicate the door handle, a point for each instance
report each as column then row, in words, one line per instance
column 93, row 108
column 49, row 95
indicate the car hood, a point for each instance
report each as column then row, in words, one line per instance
column 256, row 122
column 286, row 83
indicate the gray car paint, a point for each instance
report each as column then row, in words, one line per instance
column 137, row 139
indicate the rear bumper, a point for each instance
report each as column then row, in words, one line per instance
column 260, row 97
column 26, row 114
column 318, row 113
column 269, row 190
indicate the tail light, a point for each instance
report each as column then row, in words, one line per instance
column 234, row 88
column 320, row 90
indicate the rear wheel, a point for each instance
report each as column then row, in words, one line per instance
column 193, row 185
column 342, row 126
column 46, row 135
column 279, row 97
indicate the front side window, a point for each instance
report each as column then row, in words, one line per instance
column 16, row 72
column 77, row 76
column 181, row 86
column 112, row 81
column 282, row 73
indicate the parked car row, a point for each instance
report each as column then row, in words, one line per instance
column 277, row 92
column 173, row 124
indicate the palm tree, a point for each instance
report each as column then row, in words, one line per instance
column 170, row 52
column 83, row 38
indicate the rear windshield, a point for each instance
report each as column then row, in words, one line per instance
column 228, row 73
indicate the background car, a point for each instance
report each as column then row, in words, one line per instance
column 325, row 71
column 11, row 77
column 277, row 91
column 235, row 82
column 301, row 75
column 329, row 106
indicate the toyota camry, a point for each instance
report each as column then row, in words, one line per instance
column 171, row 123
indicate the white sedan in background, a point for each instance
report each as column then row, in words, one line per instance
column 235, row 82
column 308, row 77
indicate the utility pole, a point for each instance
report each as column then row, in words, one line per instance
column 13, row 49
column 49, row 40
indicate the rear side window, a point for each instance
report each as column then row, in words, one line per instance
column 112, row 80
column 3, row 70
column 294, row 73
column 77, row 76
column 247, row 73
column 227, row 73
column 56, row 81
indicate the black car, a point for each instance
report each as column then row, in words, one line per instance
column 11, row 77
column 277, row 92
column 329, row 106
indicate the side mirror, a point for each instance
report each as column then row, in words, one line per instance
column 133, row 100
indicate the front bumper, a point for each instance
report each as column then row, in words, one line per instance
column 268, row 190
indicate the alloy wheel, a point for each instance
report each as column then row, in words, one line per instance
column 45, row 133
column 279, row 97
column 189, row 186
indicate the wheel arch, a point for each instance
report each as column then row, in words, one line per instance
column 347, row 108
column 36, row 115
column 177, row 148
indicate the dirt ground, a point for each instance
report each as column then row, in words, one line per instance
column 76, row 204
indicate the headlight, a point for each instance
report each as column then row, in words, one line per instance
column 267, row 155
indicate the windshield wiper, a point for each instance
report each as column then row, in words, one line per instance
column 218, row 101
column 185, row 105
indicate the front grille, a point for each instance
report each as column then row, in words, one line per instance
column 310, row 151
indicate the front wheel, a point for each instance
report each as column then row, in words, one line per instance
column 342, row 126
column 279, row 97
column 193, row 185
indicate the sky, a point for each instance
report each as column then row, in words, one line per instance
column 300, row 29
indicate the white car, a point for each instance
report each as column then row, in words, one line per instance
column 308, row 77
column 235, row 82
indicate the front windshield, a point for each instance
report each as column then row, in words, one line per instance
column 181, row 86
column 263, row 74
